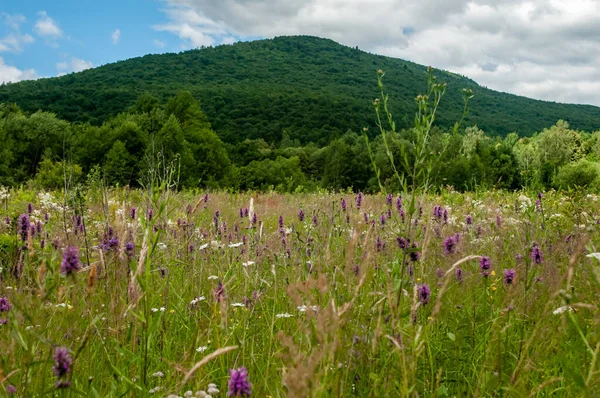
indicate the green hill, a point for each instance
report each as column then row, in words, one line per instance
column 312, row 88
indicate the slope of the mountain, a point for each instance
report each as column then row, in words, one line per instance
column 308, row 87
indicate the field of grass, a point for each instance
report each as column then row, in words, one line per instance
column 130, row 293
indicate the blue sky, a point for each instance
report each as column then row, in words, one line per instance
column 48, row 38
column 544, row 49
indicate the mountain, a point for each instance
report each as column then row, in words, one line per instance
column 312, row 89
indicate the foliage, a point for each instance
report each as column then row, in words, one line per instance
column 168, row 303
column 315, row 89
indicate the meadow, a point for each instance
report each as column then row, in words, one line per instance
column 117, row 292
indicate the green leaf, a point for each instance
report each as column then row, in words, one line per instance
column 451, row 336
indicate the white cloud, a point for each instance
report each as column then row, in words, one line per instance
column 73, row 64
column 116, row 36
column 546, row 49
column 14, row 41
column 46, row 27
column 13, row 74
column 13, row 21
column 159, row 44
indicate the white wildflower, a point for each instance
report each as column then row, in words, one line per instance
column 594, row 255
column 237, row 305
column 283, row 315
column 158, row 374
column 560, row 310
column 238, row 244
column 201, row 349
column 247, row 263
column 213, row 277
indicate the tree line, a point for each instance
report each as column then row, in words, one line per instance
column 39, row 148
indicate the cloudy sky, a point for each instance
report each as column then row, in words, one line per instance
column 546, row 49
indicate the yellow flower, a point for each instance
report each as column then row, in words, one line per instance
column 172, row 312
column 418, row 279
column 493, row 273
column 494, row 288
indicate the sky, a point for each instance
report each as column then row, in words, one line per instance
column 544, row 49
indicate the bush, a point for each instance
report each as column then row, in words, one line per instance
column 580, row 174
column 51, row 174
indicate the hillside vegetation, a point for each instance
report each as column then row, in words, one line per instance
column 314, row 89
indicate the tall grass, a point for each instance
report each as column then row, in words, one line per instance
column 310, row 307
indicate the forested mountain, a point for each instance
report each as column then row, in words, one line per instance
column 312, row 89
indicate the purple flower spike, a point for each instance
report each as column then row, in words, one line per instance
column 62, row 366
column 23, row 225
column 509, row 276
column 70, row 261
column 343, row 204
column 359, row 199
column 5, row 305
column 239, row 384
column 424, row 293
column 301, row 215
column 485, row 265
column 389, row 199
column 450, row 245
column 536, row 255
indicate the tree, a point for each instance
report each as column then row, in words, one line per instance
column 118, row 165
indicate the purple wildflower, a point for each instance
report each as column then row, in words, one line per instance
column 415, row 255
column 219, row 292
column 499, row 220
column 7, row 221
column 254, row 219
column 359, row 199
column 62, row 362
column 281, row 222
column 459, row 274
column 239, row 385
column 450, row 245
column 509, row 276
column 70, row 261
column 315, row 220
column 485, row 264
column 445, row 216
column 469, row 219
column 399, row 203
column 380, row 244
column 536, row 255
column 5, row 305
column 23, row 225
column 439, row 272
column 129, row 249
column 301, row 215
column 389, row 199
column 343, row 204
column 382, row 219
column 11, row 390
column 424, row 293
column 402, row 243
column 205, row 198
column 29, row 208
column 149, row 214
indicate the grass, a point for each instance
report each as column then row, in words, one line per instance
column 311, row 309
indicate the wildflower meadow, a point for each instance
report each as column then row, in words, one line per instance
column 161, row 293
